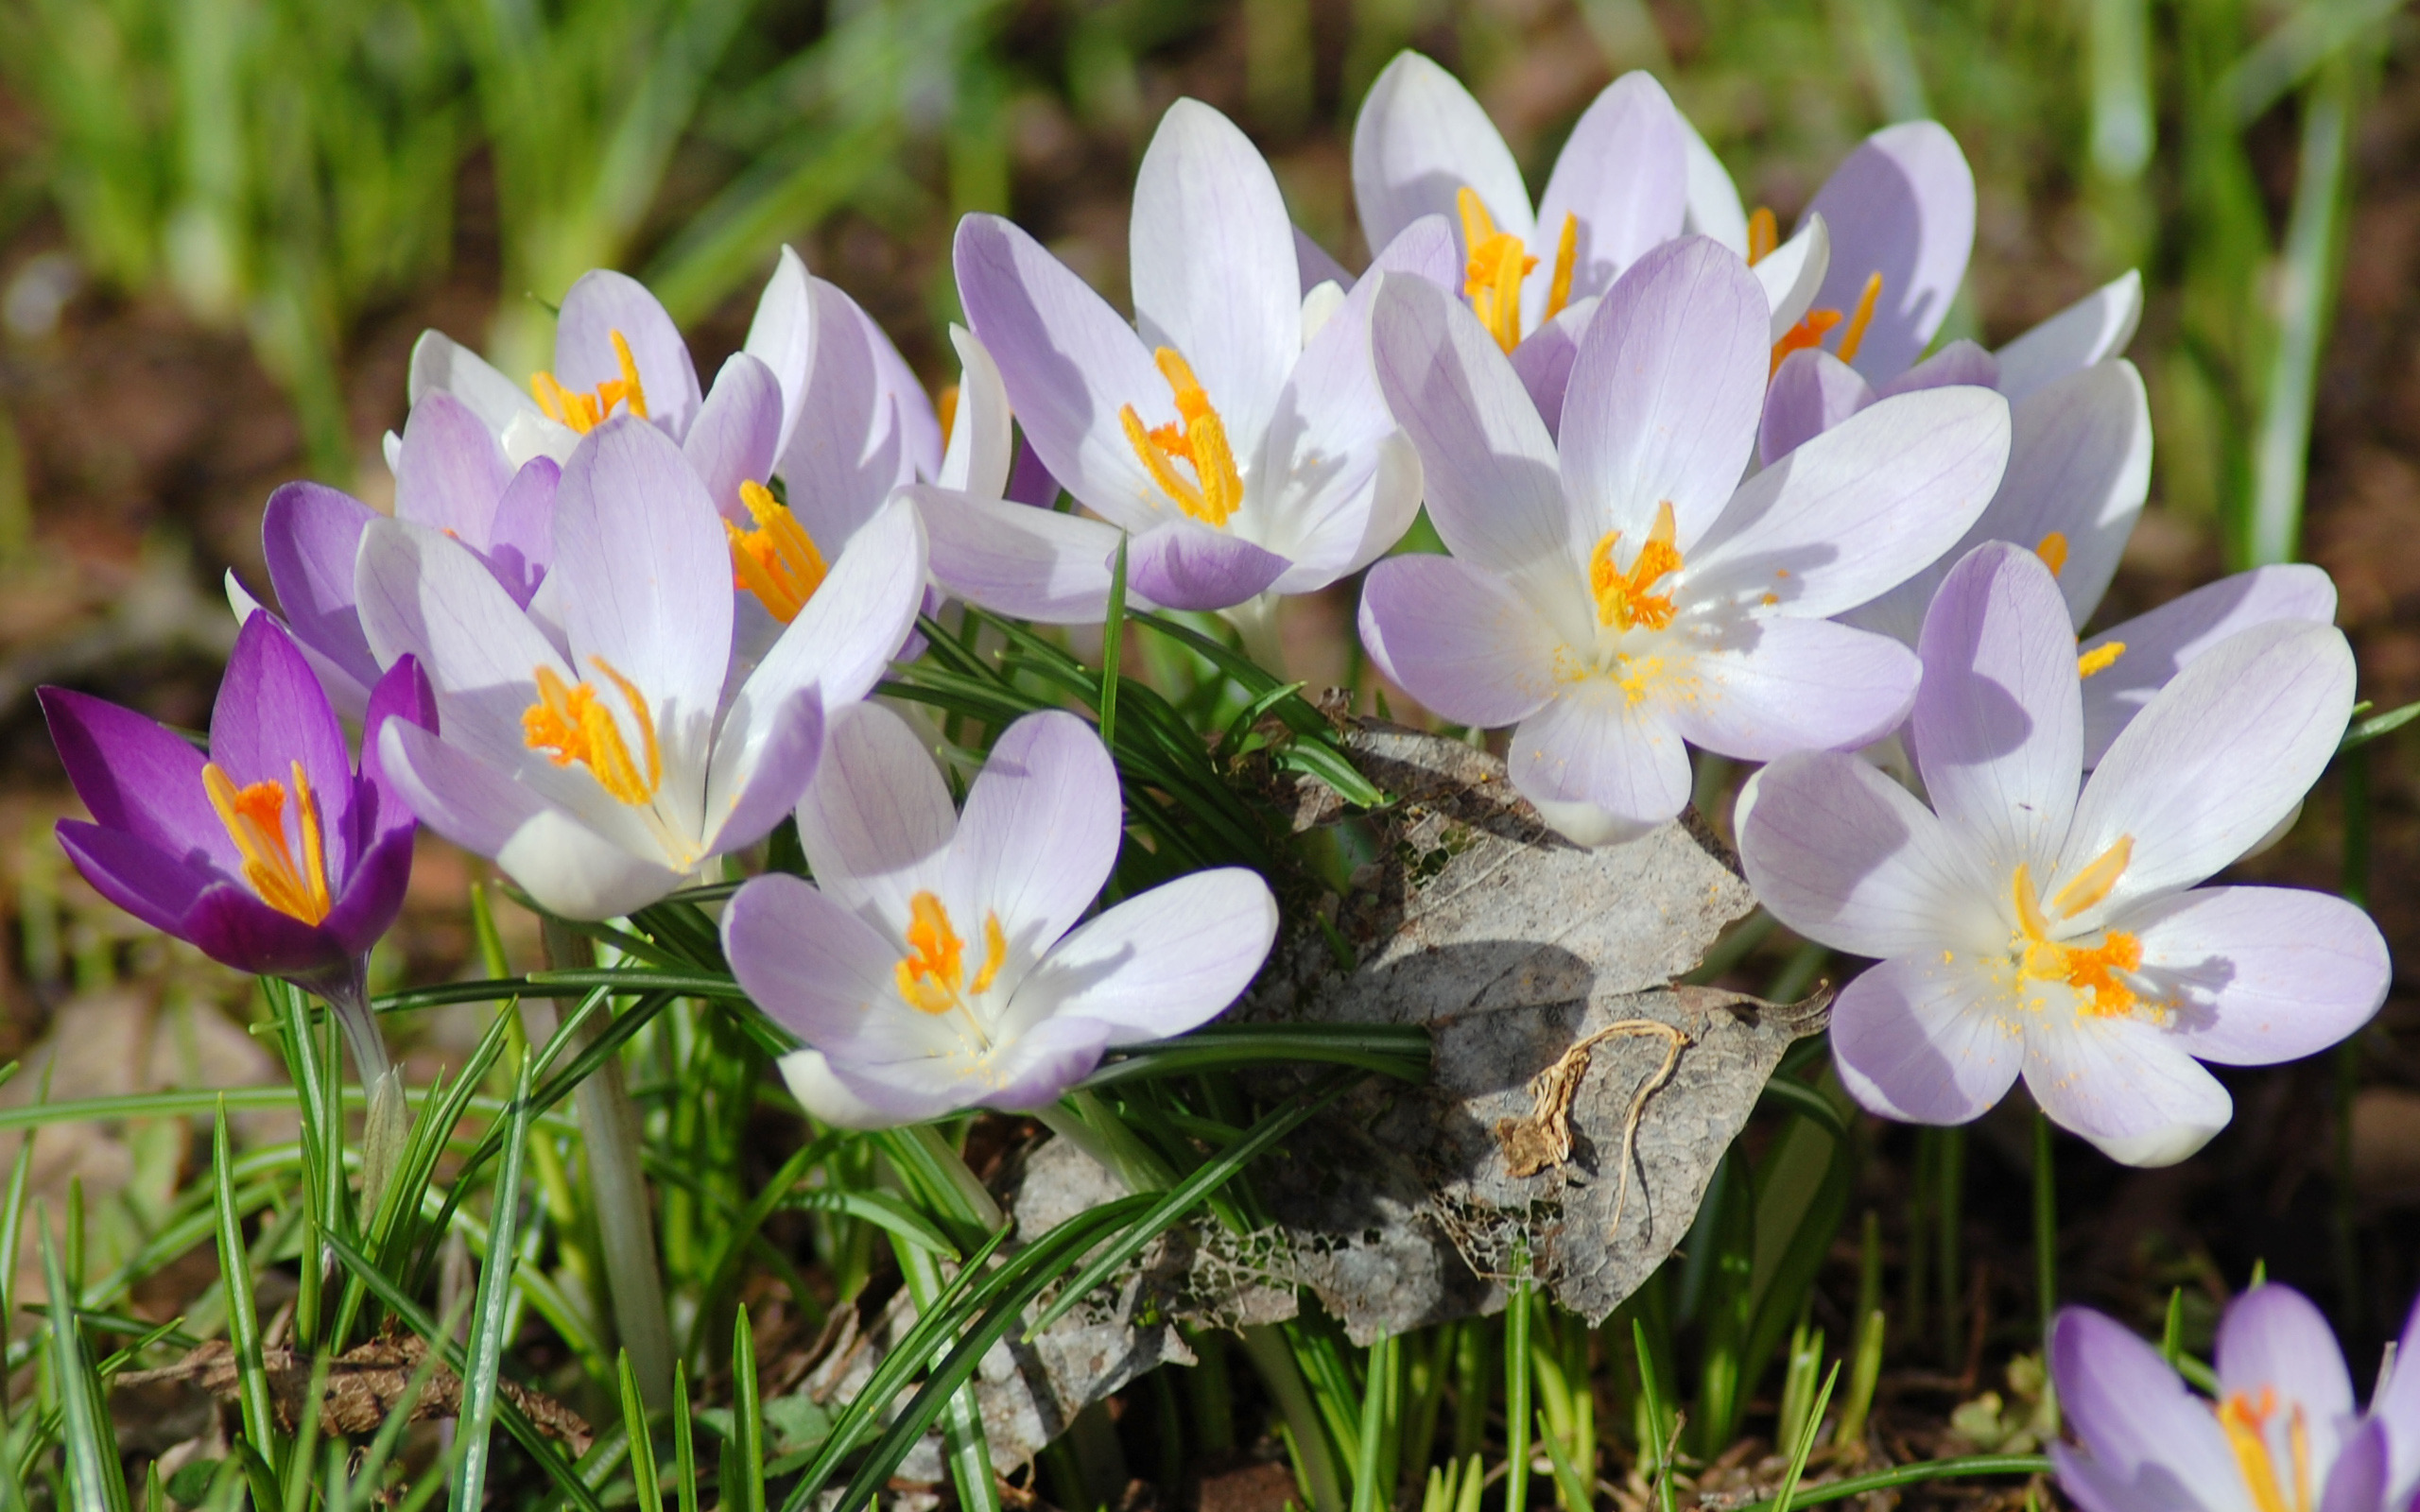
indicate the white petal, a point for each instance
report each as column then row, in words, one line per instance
column 2092, row 329
column 1420, row 137
column 1791, row 273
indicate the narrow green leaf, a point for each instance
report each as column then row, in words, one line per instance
column 644, row 1480
column 1805, row 1444
column 743, row 1475
column 243, row 1321
column 490, row 1311
column 1916, row 1474
column 1113, row 645
column 684, row 1445
column 92, row 1463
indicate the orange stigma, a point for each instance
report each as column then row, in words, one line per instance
column 1199, row 439
column 1763, row 235
column 2097, row 970
column 777, row 560
column 585, row 412
column 1818, row 323
column 255, row 819
column 932, row 975
column 1498, row 264
column 1628, row 599
column 570, row 723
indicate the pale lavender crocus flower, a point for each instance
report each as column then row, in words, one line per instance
column 1239, row 436
column 2023, row 926
column 600, row 770
column 1621, row 594
column 2282, row 1434
column 937, row 962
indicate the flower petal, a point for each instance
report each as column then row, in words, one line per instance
column 1811, row 392
column 982, row 442
column 815, row 967
column 1017, row 560
column 2357, row 1483
column 1664, row 396
column 1623, row 176
column 1858, row 508
column 750, row 792
column 2155, row 1446
column 809, row 1076
column 2259, row 975
column 1714, row 207
column 271, row 715
column 1924, row 1040
column 380, row 808
column 844, row 454
column 441, row 364
column 2092, row 330
column 1159, row 964
column 1041, row 1064
column 735, row 432
column 601, row 302
column 1491, row 472
column 310, row 535
column 1960, row 362
column 914, row 439
column 1846, row 856
column 1419, row 139
column 2125, row 1085
column 1901, row 205
column 451, row 470
column 1595, row 746
column 1316, row 265
column 1040, row 829
column 158, row 886
column 2397, row 1406
column 2162, row 642
column 1998, row 724
column 2272, row 1339
column 782, row 336
column 1069, row 363
column 878, row 818
column 1212, row 264
column 843, row 640
column 1791, row 274
column 1543, row 360
column 2216, row 759
column 1183, row 565
column 139, row 777
column 1782, row 684
column 521, row 539
column 1461, row 641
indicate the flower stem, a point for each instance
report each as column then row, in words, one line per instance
column 609, row 1129
column 388, row 1120
column 1265, row 1343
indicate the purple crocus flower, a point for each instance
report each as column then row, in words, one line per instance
column 600, row 768
column 2282, row 1436
column 936, row 963
column 2023, row 926
column 271, row 853
column 1239, row 437
column 1621, row 592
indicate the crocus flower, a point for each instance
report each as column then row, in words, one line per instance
column 2282, row 1436
column 1243, row 455
column 936, row 962
column 2021, row 926
column 272, row 853
column 1621, row 592
column 600, row 773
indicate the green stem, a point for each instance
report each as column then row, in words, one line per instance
column 1936, row 1469
column 1516, row 1388
column 2046, row 1243
column 1265, row 1343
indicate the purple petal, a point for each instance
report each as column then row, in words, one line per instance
column 845, row 454
column 2161, row 643
column 1811, row 392
column 1212, row 263
column 1714, row 207
column 2216, row 761
column 441, row 364
column 2397, row 1406
column 1623, row 174
column 2272, row 1339
column 1902, row 205
column 916, row 451
column 1960, row 362
column 1013, row 559
column 271, row 714
column 2357, row 1483
column 1316, row 266
column 1160, row 964
column 1053, row 1056
column 782, row 336
column 745, row 797
column 1420, row 138
column 156, row 884
column 1041, row 828
column 372, row 894
column 379, row 808
column 843, row 640
column 1922, row 1040
column 1786, row 684
column 2123, row 1084
column 521, row 540
column 2259, row 975
column 451, row 470
column 815, row 967
column 1664, row 395
column 2092, row 330
column 811, row 1080
column 1183, row 565
column 1462, row 642
column 1595, row 746
column 2158, row 1446
column 1998, row 726
column 223, row 918
column 309, row 537
column 1493, row 489
column 878, row 818
column 1542, row 361
column 603, row 302
column 1031, row 480
column 1844, row 855
column 736, row 433
column 139, row 777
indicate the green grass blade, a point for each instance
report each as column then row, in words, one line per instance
column 1916, row 1474
column 1113, row 645
column 243, row 1322
column 93, row 1470
column 1805, row 1444
column 644, row 1480
column 685, row 1444
column 489, row 1313
column 743, row 1460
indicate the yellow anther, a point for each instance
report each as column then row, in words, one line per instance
column 1763, row 235
column 2089, row 969
column 2093, row 883
column 932, row 975
column 2053, row 552
column 1566, row 259
column 1628, row 599
column 2245, row 1424
column 777, row 560
column 255, row 819
column 1498, row 263
column 570, row 723
column 945, row 407
column 1809, row 332
column 2099, row 658
column 1855, row 336
column 585, row 412
column 1199, row 439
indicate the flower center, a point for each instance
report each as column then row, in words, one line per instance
column 585, row 412
column 2105, row 971
column 776, row 561
column 1199, row 439
column 1498, row 263
column 1626, row 600
column 2245, row 1423
column 255, row 820
column 1763, row 235
column 932, row 975
column 570, row 723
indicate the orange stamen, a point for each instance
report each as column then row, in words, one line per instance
column 585, row 412
column 2089, row 969
column 933, row 972
column 1763, row 235
column 1199, row 439
column 255, row 819
column 1809, row 332
column 777, row 560
column 2053, row 552
column 2099, row 658
column 1626, row 598
column 571, row 724
column 1855, row 336
column 1498, row 263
